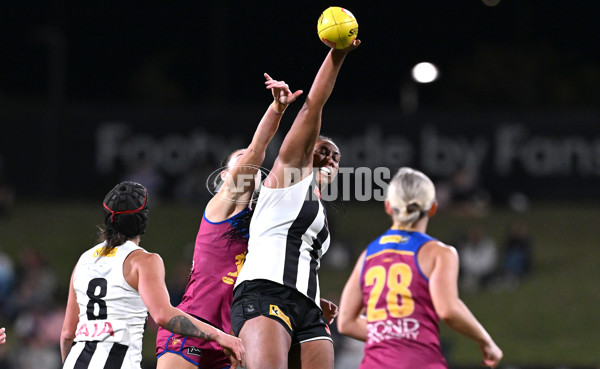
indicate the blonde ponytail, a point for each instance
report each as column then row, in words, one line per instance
column 411, row 195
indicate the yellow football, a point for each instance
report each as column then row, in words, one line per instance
column 337, row 27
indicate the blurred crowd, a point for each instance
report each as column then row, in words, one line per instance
column 31, row 310
column 487, row 264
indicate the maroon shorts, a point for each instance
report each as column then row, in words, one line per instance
column 205, row 354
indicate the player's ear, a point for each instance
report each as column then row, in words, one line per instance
column 433, row 209
column 388, row 208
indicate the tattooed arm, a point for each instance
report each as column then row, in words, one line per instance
column 146, row 272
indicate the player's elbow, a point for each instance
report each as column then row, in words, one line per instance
column 256, row 152
column 67, row 334
column 162, row 317
column 342, row 326
column 346, row 326
column 447, row 313
column 161, row 320
column 352, row 328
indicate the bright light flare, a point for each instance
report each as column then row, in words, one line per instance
column 425, row 72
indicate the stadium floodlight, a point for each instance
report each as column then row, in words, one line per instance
column 425, row 72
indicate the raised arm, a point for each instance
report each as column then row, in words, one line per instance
column 297, row 148
column 146, row 272
column 450, row 308
column 238, row 181
column 255, row 153
column 350, row 320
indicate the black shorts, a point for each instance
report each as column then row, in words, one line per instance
column 295, row 312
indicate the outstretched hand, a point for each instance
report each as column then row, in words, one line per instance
column 341, row 53
column 282, row 95
column 346, row 50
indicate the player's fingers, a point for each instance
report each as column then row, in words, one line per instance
column 275, row 84
column 490, row 362
column 279, row 84
column 242, row 359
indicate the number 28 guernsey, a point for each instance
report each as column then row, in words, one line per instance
column 403, row 329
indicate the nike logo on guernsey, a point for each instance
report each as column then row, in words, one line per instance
column 194, row 351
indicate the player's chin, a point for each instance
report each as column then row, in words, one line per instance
column 325, row 179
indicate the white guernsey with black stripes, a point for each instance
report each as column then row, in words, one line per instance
column 112, row 314
column 288, row 237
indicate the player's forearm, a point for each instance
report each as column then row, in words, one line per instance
column 464, row 322
column 187, row 326
column 266, row 129
column 176, row 321
column 354, row 328
column 324, row 82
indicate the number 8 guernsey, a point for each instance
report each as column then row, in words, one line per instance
column 111, row 313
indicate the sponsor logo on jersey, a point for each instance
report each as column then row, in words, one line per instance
column 389, row 251
column 406, row 328
column 239, row 262
column 274, row 310
column 194, row 351
column 393, row 239
column 95, row 330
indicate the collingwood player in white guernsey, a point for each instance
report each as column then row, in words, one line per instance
column 114, row 286
column 277, row 309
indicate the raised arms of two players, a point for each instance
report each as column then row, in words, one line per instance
column 297, row 148
column 255, row 153
column 238, row 184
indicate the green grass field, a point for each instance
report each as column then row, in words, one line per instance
column 550, row 319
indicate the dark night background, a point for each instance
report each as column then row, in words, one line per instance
column 516, row 55
column 68, row 67
column 91, row 89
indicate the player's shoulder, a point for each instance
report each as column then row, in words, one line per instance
column 440, row 249
column 143, row 257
